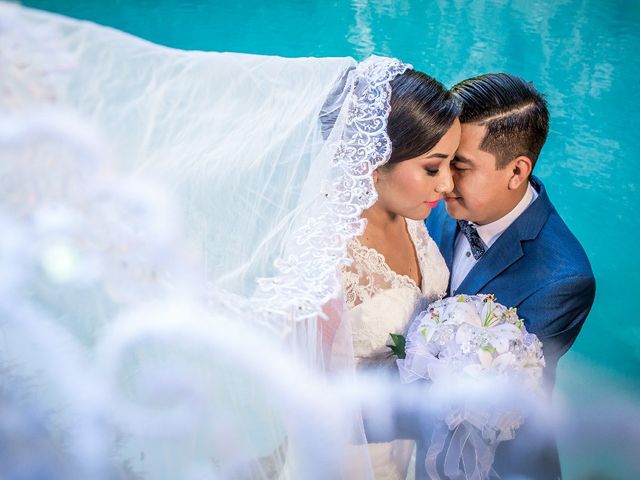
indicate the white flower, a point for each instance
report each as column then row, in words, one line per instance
column 504, row 361
column 465, row 313
column 502, row 335
column 464, row 334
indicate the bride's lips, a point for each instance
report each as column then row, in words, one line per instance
column 433, row 204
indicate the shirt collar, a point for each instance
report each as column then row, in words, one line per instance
column 490, row 232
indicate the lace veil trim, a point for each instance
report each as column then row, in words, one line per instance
column 309, row 272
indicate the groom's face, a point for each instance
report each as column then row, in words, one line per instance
column 480, row 190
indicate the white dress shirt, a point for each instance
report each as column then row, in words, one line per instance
column 463, row 260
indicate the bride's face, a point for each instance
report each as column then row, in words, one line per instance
column 411, row 188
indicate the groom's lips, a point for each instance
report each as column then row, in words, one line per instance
column 451, row 199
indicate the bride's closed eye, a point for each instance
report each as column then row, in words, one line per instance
column 432, row 168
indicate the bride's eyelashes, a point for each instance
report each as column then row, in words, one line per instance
column 432, row 168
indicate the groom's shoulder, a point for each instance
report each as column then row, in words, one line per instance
column 557, row 246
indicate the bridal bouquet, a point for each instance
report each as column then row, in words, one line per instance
column 473, row 340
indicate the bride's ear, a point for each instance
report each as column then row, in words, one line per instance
column 520, row 171
column 376, row 176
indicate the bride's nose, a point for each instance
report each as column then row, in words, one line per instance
column 445, row 185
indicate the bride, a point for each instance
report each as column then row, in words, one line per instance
column 397, row 269
column 300, row 185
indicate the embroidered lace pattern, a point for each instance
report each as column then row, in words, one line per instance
column 309, row 271
column 369, row 274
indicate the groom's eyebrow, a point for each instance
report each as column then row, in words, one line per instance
column 459, row 158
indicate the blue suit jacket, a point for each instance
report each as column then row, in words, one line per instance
column 538, row 266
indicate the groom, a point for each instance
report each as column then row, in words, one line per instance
column 501, row 234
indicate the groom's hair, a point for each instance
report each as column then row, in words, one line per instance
column 514, row 112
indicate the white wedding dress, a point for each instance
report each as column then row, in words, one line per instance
column 381, row 302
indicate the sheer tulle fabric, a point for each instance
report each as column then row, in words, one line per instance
column 179, row 299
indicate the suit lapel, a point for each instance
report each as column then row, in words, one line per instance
column 501, row 255
column 508, row 248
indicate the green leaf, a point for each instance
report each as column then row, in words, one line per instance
column 398, row 347
column 491, row 318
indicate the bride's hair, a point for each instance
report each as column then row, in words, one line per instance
column 422, row 111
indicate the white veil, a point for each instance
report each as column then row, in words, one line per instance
column 258, row 151
column 173, row 280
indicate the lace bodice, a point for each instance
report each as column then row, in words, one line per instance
column 369, row 273
column 381, row 301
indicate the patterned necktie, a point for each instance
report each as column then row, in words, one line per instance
column 477, row 245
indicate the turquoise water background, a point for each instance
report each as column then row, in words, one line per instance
column 578, row 52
